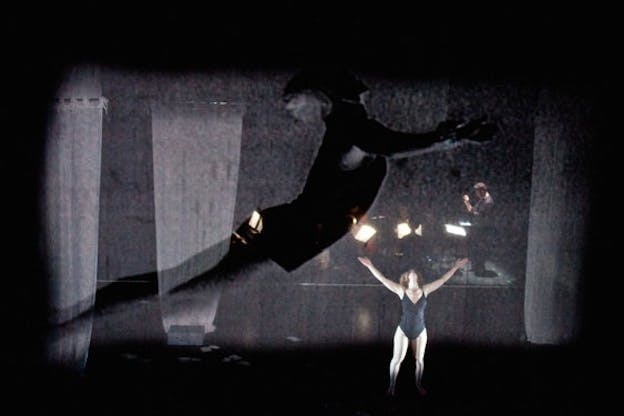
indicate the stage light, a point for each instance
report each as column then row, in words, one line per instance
column 418, row 231
column 255, row 221
column 364, row 233
column 402, row 230
column 455, row 230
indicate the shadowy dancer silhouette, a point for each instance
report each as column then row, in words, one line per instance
column 343, row 181
column 342, row 184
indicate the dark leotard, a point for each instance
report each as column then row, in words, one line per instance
column 413, row 318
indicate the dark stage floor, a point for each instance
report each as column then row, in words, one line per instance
column 151, row 380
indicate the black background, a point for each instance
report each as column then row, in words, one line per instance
column 548, row 44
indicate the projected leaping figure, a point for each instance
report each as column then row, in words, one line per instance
column 341, row 186
column 343, row 181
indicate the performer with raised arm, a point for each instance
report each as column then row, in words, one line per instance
column 413, row 293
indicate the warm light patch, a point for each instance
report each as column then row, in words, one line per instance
column 365, row 233
column 255, row 221
column 455, row 230
column 419, row 230
column 403, row 229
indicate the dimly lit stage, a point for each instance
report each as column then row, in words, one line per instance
column 96, row 190
column 314, row 345
column 346, row 380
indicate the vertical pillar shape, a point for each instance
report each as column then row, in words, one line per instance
column 558, row 218
column 196, row 149
column 70, row 203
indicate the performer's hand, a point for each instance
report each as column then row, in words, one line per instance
column 461, row 262
column 365, row 261
column 466, row 198
column 478, row 130
column 447, row 129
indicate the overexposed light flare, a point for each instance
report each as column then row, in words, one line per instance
column 455, row 230
column 365, row 233
column 255, row 221
column 403, row 229
column 419, row 230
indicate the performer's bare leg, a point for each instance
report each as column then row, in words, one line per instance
column 418, row 346
column 398, row 354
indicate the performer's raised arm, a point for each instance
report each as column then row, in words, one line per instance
column 436, row 284
column 392, row 285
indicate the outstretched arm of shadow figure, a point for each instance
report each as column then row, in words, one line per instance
column 449, row 134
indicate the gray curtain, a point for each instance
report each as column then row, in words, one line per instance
column 559, row 217
column 196, row 147
column 71, row 186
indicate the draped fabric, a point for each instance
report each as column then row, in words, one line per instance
column 70, row 207
column 72, row 190
column 196, row 149
column 558, row 219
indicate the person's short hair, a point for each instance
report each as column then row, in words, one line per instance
column 480, row 185
column 337, row 84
